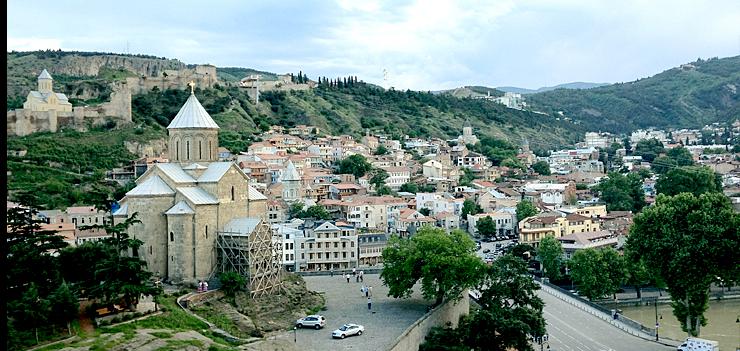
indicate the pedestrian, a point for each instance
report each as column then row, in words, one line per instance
column 367, row 291
column 370, row 290
column 200, row 286
column 354, row 272
column 331, row 271
column 205, row 286
column 357, row 278
column 347, row 276
column 363, row 290
column 369, row 304
column 362, row 276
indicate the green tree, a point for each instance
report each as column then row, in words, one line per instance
column 315, row 211
column 649, row 149
column 690, row 179
column 31, row 311
column 425, row 211
column 296, row 210
column 383, row 190
column 381, row 150
column 681, row 155
column 232, row 282
column 409, row 187
column 486, row 227
column 122, row 274
column 622, row 193
column 541, row 167
column 637, row 272
column 663, row 164
column 470, row 207
column 689, row 241
column 378, row 178
column 523, row 251
column 355, row 164
column 445, row 263
column 525, row 209
column 510, row 313
column 596, row 272
column 64, row 306
column 627, row 146
column 467, row 177
column 550, row 252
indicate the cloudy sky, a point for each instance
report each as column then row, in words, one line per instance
column 422, row 45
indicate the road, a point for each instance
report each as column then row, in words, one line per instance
column 570, row 328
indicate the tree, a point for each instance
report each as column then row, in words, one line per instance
column 550, row 252
column 425, row 211
column 64, row 306
column 409, row 187
column 381, row 150
column 627, row 146
column 445, row 263
column 525, row 209
column 378, row 178
column 622, row 193
column 663, row 164
column 315, row 211
column 596, row 272
column 637, row 272
column 541, row 167
column 31, row 311
column 467, row 177
column 689, row 241
column 355, row 164
column 510, row 313
column 681, row 155
column 470, row 207
column 649, row 149
column 523, row 251
column 383, row 190
column 695, row 180
column 486, row 227
column 232, row 282
column 122, row 274
column 295, row 210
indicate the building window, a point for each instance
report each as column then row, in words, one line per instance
column 302, row 246
column 187, row 149
column 336, row 244
column 150, row 249
column 352, row 244
column 83, row 221
column 303, row 256
column 200, row 149
column 206, row 232
column 286, row 246
column 172, row 236
column 232, row 193
column 320, row 255
column 344, row 255
column 177, row 157
column 352, row 254
column 336, row 255
column 287, row 236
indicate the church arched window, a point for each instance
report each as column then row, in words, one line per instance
column 206, row 232
column 200, row 150
column 187, row 149
column 172, row 236
column 232, row 193
column 177, row 147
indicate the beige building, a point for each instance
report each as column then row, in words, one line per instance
column 327, row 247
column 536, row 228
column 45, row 99
column 184, row 204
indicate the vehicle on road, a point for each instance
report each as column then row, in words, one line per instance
column 348, row 329
column 697, row 344
column 313, row 321
column 486, row 250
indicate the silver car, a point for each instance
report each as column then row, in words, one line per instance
column 348, row 330
column 313, row 321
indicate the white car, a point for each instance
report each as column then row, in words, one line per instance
column 313, row 321
column 348, row 330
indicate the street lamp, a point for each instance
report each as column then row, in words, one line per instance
column 657, row 325
column 295, row 338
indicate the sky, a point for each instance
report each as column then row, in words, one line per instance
column 418, row 45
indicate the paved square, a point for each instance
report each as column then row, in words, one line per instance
column 345, row 303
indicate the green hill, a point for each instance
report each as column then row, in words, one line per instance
column 692, row 95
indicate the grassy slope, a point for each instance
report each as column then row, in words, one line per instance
column 674, row 98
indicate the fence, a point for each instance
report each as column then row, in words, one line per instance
column 626, row 324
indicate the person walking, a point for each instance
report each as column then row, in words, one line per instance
column 347, row 276
column 205, row 286
column 370, row 290
column 369, row 304
column 354, row 271
column 362, row 276
column 363, row 290
column 331, row 271
column 367, row 291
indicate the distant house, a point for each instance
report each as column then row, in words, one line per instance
column 587, row 240
column 224, row 154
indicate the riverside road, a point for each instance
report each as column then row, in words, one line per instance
column 571, row 329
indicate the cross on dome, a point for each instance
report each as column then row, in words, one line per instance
column 192, row 87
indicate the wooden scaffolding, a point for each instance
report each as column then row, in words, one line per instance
column 254, row 255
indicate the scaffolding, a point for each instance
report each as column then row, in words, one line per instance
column 254, row 255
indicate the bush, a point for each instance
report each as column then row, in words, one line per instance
column 231, row 282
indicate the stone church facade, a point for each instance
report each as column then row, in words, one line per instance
column 183, row 205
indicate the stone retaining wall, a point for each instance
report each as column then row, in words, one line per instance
column 449, row 311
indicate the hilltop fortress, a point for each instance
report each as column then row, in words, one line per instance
column 47, row 111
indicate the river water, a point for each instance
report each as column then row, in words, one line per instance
column 721, row 322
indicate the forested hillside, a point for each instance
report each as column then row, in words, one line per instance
column 692, row 95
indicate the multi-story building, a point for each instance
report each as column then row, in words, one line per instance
column 535, row 228
column 371, row 248
column 286, row 237
column 504, row 219
column 328, row 246
column 397, row 176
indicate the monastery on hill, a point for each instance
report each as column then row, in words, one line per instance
column 183, row 205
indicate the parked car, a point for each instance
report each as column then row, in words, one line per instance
column 348, row 330
column 486, row 250
column 313, row 321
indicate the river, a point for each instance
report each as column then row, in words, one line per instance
column 721, row 322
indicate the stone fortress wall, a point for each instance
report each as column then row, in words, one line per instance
column 163, row 74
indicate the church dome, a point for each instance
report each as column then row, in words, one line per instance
column 192, row 115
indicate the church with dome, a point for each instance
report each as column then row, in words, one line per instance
column 183, row 205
